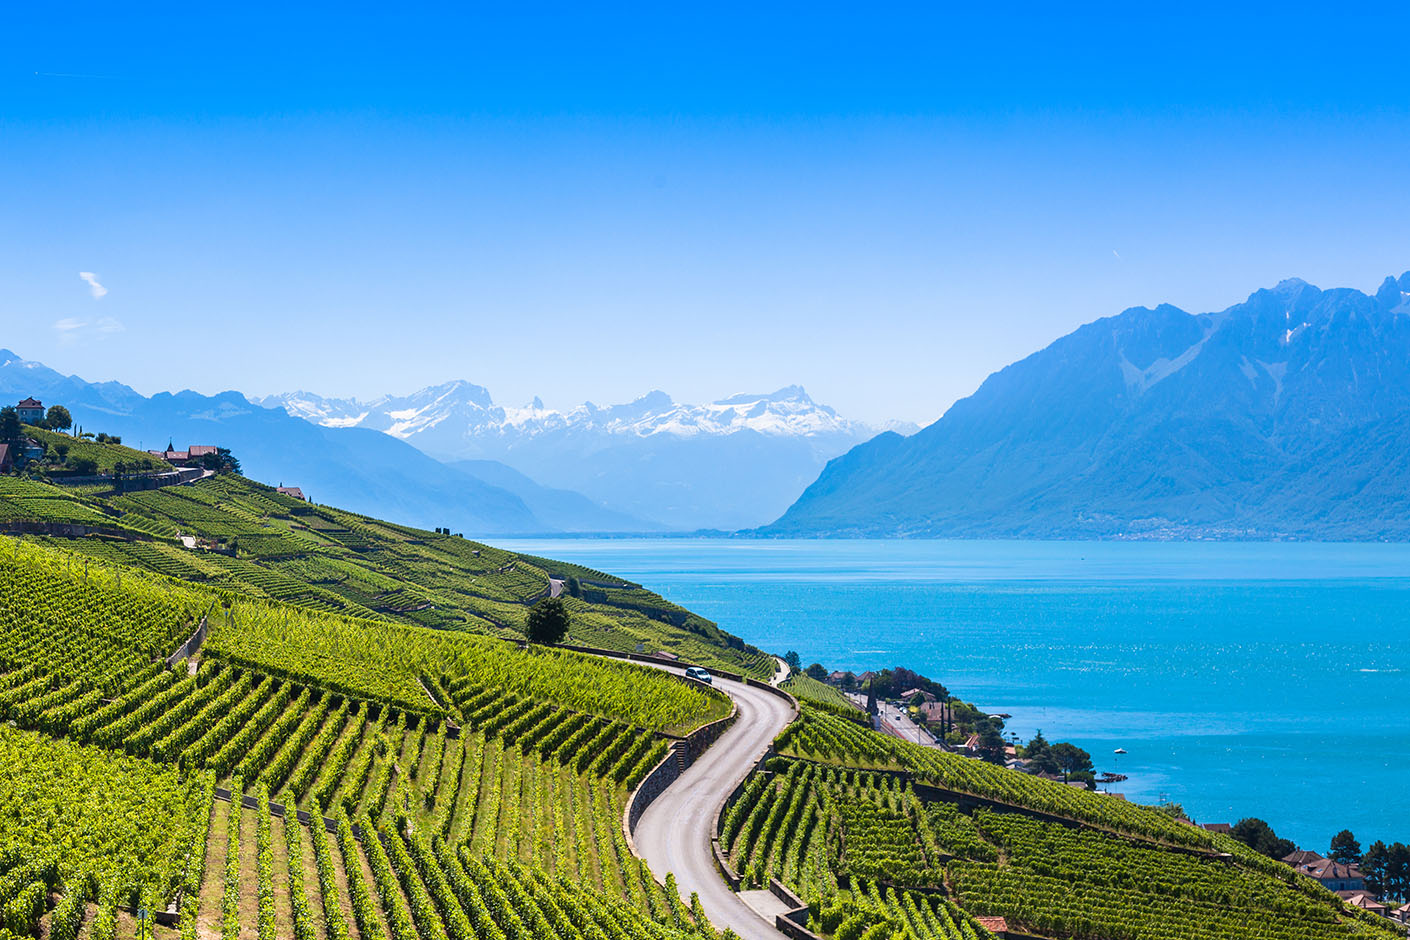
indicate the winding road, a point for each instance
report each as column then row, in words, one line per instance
column 674, row 834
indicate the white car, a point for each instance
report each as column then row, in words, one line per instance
column 698, row 674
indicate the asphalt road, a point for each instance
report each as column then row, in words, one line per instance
column 674, row 832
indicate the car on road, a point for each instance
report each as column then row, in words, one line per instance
column 698, row 674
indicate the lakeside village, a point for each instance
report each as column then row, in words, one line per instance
column 911, row 707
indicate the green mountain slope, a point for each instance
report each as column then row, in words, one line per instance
column 251, row 539
column 882, row 837
column 452, row 784
column 266, row 718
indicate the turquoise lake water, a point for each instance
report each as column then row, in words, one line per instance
column 1243, row 679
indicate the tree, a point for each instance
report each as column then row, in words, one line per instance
column 9, row 424
column 220, row 461
column 62, row 449
column 871, row 697
column 795, row 663
column 816, row 671
column 57, row 418
column 1039, row 755
column 548, row 621
column 1259, row 836
column 991, row 740
column 575, row 587
column 1398, row 871
column 1374, row 866
column 1071, row 758
column 83, row 466
column 1345, row 848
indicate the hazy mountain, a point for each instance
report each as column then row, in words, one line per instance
column 726, row 464
column 354, row 468
column 566, row 510
column 1285, row 416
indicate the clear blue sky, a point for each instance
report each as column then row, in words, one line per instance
column 883, row 204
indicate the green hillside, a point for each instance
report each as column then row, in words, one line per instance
column 258, row 543
column 884, row 838
column 362, row 747
column 494, row 776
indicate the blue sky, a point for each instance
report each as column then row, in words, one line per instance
column 882, row 204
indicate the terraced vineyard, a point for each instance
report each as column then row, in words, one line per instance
column 262, row 544
column 474, row 788
column 824, row 697
column 363, row 748
column 887, row 838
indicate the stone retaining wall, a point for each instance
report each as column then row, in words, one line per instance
column 281, row 811
column 192, row 644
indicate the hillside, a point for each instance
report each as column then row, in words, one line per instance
column 884, row 838
column 1281, row 417
column 266, row 545
column 455, row 771
column 262, row 717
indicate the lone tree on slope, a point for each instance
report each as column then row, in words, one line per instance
column 57, row 418
column 548, row 621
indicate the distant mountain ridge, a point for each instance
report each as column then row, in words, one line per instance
column 356, row 468
column 725, row 464
column 1286, row 416
column 440, row 413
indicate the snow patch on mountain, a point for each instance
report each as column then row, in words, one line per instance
column 469, row 410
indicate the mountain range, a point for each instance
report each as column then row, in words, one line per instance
column 447, row 456
column 727, row 464
column 360, row 469
column 1286, row 416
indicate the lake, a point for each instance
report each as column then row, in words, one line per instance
column 1243, row 679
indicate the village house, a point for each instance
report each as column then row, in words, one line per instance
column 1334, row 876
column 7, row 462
column 180, row 457
column 912, row 693
column 1365, row 902
column 30, row 411
column 293, row 491
column 997, row 926
column 1401, row 914
column 937, row 712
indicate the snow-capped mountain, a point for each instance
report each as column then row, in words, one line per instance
column 468, row 410
column 725, row 464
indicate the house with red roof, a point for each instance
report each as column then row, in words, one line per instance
column 30, row 411
column 1334, row 876
column 1363, row 901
